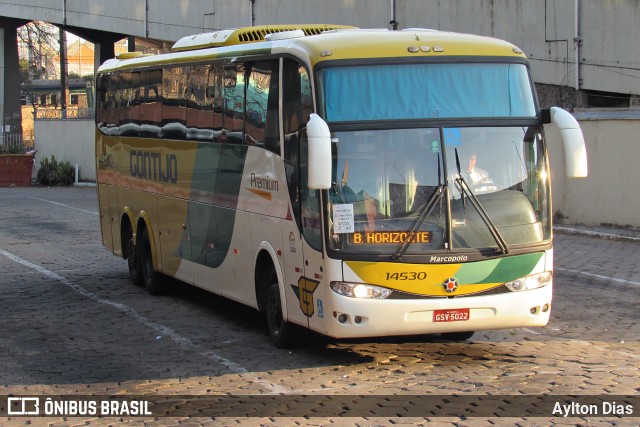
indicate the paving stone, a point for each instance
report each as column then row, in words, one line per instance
column 72, row 323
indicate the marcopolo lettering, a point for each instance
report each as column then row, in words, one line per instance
column 153, row 166
column 459, row 258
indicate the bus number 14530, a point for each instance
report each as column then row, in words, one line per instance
column 407, row 275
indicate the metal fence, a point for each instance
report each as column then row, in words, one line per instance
column 66, row 114
column 15, row 143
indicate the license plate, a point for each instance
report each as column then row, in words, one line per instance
column 453, row 315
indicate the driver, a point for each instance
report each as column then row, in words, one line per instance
column 477, row 175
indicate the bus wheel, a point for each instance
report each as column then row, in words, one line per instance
column 150, row 277
column 281, row 332
column 457, row 336
column 133, row 261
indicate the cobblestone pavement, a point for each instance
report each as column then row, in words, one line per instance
column 72, row 323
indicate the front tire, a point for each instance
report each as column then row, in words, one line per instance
column 282, row 333
column 150, row 277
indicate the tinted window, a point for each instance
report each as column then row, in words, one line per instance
column 261, row 127
column 174, row 111
column 296, row 107
column 199, row 114
column 233, row 117
column 129, row 104
column 151, row 103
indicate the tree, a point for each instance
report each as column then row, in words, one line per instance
column 38, row 45
column 26, row 85
column 40, row 41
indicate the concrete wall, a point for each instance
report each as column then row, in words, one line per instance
column 609, row 54
column 609, row 194
column 68, row 140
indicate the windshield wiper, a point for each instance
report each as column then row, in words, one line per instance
column 426, row 210
column 464, row 188
column 464, row 206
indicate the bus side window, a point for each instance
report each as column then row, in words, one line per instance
column 297, row 103
column 102, row 101
column 215, row 97
column 296, row 108
column 151, row 103
column 261, row 125
column 128, row 112
column 199, row 111
column 174, row 114
column 234, row 93
column 112, row 109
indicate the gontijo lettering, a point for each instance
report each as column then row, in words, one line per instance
column 383, row 237
column 153, row 166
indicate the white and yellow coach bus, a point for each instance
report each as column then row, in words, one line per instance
column 357, row 183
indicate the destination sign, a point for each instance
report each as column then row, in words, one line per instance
column 387, row 237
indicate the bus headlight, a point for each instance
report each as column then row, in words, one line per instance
column 360, row 290
column 532, row 281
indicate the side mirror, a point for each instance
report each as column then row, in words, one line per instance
column 319, row 138
column 575, row 150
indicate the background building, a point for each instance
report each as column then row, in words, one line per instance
column 584, row 56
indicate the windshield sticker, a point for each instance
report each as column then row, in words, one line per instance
column 452, row 137
column 343, row 221
column 435, row 146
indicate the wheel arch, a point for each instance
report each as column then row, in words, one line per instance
column 267, row 258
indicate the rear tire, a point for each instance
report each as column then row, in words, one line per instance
column 282, row 333
column 133, row 262
column 458, row 336
column 150, row 277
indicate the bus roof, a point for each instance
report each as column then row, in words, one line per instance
column 414, row 42
column 316, row 47
column 248, row 35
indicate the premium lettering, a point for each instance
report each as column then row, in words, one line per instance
column 264, row 183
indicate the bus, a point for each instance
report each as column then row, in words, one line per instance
column 352, row 182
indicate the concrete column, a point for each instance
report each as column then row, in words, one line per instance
column 104, row 50
column 64, row 75
column 2, row 67
column 10, row 106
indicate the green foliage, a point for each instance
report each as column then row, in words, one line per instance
column 12, row 149
column 52, row 172
column 66, row 173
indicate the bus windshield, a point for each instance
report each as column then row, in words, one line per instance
column 389, row 189
column 427, row 91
